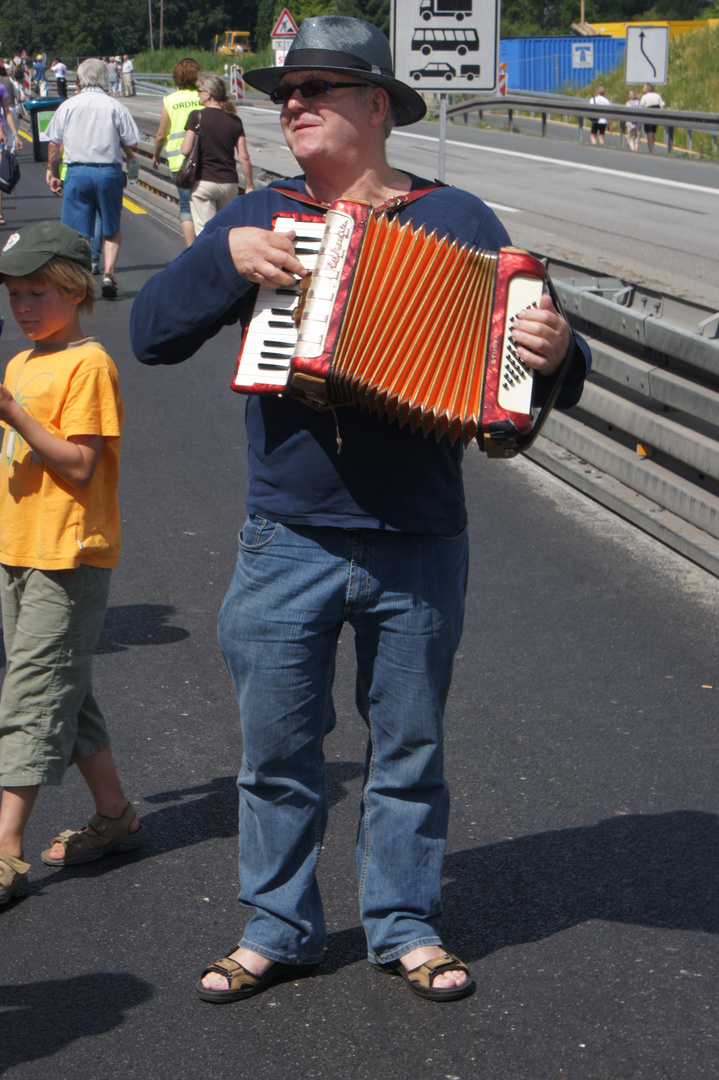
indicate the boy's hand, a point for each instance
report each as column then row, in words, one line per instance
column 7, row 402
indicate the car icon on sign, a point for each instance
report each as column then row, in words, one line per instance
column 434, row 71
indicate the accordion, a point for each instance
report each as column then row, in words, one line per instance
column 402, row 323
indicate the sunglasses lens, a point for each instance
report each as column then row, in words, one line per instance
column 313, row 88
column 309, row 89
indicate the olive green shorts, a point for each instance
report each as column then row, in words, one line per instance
column 48, row 716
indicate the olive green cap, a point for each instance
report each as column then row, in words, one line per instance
column 30, row 248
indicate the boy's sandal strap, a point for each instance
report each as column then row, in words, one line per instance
column 12, row 863
column 113, row 828
column 13, row 877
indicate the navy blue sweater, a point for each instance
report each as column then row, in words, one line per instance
column 385, row 477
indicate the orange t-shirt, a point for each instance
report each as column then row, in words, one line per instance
column 44, row 521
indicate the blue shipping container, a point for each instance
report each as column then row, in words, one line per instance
column 545, row 64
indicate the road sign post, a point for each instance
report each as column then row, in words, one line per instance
column 445, row 46
column 284, row 30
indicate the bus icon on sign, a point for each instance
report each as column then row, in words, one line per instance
column 459, row 41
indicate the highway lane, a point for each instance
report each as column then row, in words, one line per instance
column 649, row 219
column 582, row 740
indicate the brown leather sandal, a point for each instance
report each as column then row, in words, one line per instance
column 113, row 834
column 420, row 980
column 241, row 983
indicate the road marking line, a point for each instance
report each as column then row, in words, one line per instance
column 504, row 209
column 132, row 206
column 641, row 178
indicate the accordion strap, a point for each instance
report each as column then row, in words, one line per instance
column 395, row 203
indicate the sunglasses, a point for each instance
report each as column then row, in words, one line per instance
column 311, row 88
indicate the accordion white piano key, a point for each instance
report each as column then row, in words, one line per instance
column 269, row 342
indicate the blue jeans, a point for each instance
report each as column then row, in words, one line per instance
column 292, row 591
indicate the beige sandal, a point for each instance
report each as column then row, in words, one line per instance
column 420, row 980
column 241, row 983
column 113, row 834
column 13, row 877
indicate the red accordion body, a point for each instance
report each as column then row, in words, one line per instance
column 414, row 327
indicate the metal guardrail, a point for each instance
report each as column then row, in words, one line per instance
column 644, row 440
column 562, row 105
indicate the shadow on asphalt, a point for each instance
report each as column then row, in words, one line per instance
column 203, row 812
column 655, row 870
column 63, row 1010
column 132, row 624
column 138, row 624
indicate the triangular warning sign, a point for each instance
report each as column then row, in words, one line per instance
column 285, row 26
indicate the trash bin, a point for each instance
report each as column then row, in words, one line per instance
column 41, row 112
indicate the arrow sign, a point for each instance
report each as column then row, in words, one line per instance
column 641, row 47
column 646, row 57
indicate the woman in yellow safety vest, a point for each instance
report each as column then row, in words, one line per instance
column 176, row 108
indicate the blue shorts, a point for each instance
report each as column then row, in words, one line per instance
column 185, row 213
column 88, row 188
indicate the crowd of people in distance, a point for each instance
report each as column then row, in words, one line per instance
column 120, row 73
column 199, row 109
column 650, row 99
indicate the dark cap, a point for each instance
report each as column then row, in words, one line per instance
column 26, row 251
column 352, row 46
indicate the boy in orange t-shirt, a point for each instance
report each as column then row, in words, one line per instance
column 59, row 538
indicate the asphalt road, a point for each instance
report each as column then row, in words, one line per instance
column 581, row 873
column 651, row 220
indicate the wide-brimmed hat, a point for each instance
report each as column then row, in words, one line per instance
column 352, row 46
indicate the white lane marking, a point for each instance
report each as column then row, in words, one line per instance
column 504, row 209
column 641, row 178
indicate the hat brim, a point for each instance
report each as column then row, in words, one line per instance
column 407, row 105
column 22, row 263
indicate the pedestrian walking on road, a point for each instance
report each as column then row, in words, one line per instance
column 62, row 412
column 113, row 77
column 374, row 537
column 650, row 99
column 221, row 136
column 128, row 77
column 599, row 126
column 92, row 131
column 9, row 133
column 60, row 71
column 634, row 128
column 176, row 107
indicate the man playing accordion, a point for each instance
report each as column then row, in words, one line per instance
column 374, row 536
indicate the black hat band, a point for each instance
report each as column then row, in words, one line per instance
column 329, row 59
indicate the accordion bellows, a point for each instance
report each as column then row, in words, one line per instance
column 413, row 340
column 410, row 326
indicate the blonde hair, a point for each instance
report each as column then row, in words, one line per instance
column 68, row 277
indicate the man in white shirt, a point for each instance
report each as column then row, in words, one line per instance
column 60, row 72
column 91, row 131
column 128, row 82
column 650, row 99
column 599, row 126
